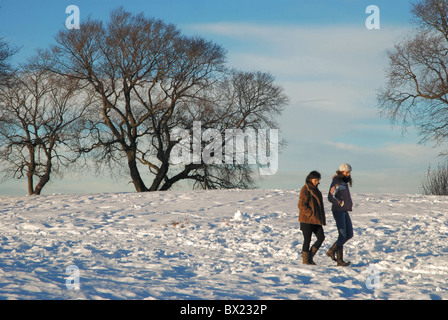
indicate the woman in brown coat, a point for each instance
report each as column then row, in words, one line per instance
column 311, row 216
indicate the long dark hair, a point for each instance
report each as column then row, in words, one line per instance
column 313, row 175
column 346, row 179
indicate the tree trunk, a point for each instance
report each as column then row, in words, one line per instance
column 31, row 168
column 42, row 182
column 161, row 174
column 135, row 173
column 46, row 177
column 30, row 183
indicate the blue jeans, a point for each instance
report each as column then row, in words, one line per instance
column 344, row 225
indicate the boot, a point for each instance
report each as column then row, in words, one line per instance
column 313, row 253
column 332, row 252
column 340, row 257
column 306, row 258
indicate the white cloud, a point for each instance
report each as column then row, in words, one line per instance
column 348, row 51
column 341, row 67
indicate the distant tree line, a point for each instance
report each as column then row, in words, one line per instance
column 109, row 96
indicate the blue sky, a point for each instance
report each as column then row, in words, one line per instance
column 329, row 63
column 32, row 24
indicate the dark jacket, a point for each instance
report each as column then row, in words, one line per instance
column 342, row 195
column 311, row 205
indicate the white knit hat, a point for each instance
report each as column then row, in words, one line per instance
column 345, row 167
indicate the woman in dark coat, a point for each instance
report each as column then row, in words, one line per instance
column 339, row 196
column 311, row 216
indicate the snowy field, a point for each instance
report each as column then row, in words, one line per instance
column 217, row 245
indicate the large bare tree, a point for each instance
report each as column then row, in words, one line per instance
column 416, row 92
column 149, row 80
column 40, row 126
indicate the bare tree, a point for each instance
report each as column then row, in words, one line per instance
column 417, row 89
column 247, row 101
column 40, row 122
column 6, row 52
column 150, row 80
column 436, row 181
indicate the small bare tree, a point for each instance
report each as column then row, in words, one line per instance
column 40, row 122
column 435, row 181
column 246, row 101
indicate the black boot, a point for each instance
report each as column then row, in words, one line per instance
column 340, row 257
column 332, row 252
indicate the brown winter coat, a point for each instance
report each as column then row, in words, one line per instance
column 311, row 206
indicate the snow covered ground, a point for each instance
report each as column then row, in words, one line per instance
column 217, row 245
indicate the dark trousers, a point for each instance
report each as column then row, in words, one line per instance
column 344, row 225
column 308, row 230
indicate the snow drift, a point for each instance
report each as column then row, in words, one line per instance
column 217, row 245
